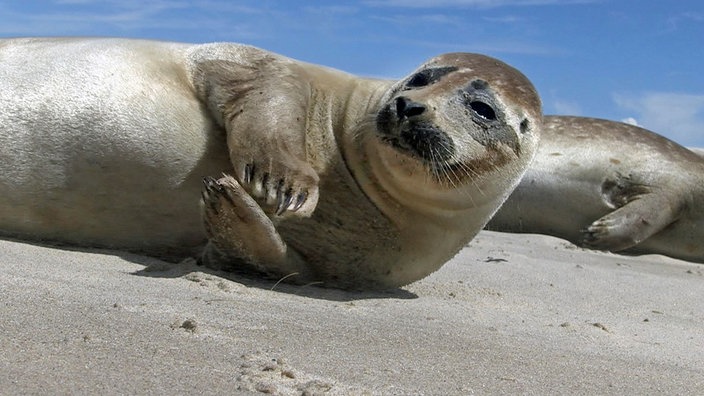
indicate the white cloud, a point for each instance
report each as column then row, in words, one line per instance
column 508, row 19
column 332, row 10
column 675, row 22
column 677, row 116
column 631, row 121
column 210, row 18
column 471, row 3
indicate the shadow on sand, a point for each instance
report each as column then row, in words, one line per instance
column 160, row 269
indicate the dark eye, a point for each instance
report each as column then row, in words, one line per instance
column 418, row 80
column 483, row 109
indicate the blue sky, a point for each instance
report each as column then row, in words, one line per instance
column 637, row 60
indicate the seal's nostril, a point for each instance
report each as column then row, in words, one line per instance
column 401, row 103
column 408, row 108
column 415, row 109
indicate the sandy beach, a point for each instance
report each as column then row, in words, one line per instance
column 510, row 314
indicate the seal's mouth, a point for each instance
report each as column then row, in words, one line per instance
column 413, row 135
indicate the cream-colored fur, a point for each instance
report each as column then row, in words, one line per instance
column 611, row 186
column 105, row 142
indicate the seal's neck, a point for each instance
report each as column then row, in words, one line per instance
column 397, row 184
column 413, row 186
column 403, row 186
column 338, row 103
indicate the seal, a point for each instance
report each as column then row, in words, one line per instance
column 610, row 186
column 305, row 172
column 697, row 150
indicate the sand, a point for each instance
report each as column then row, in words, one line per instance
column 511, row 314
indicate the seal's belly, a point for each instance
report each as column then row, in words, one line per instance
column 121, row 197
column 108, row 151
column 347, row 238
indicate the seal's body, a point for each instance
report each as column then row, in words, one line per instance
column 348, row 181
column 104, row 143
column 610, row 186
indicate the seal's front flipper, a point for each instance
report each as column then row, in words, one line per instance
column 281, row 186
column 241, row 236
column 640, row 218
column 262, row 101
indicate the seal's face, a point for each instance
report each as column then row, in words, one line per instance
column 406, row 124
column 461, row 116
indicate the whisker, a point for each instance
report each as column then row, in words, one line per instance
column 282, row 279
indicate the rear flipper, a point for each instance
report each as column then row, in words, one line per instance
column 242, row 237
column 641, row 217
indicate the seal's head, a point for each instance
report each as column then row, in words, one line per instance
column 467, row 121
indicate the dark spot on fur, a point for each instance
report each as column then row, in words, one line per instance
column 480, row 84
column 428, row 76
column 524, row 126
column 429, row 142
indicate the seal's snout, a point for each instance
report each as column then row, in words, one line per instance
column 406, row 108
column 403, row 124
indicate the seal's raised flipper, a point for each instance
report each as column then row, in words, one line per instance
column 241, row 236
column 266, row 134
column 638, row 219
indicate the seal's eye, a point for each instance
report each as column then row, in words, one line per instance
column 483, row 110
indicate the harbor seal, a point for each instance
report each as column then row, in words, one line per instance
column 306, row 173
column 697, row 150
column 610, row 186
